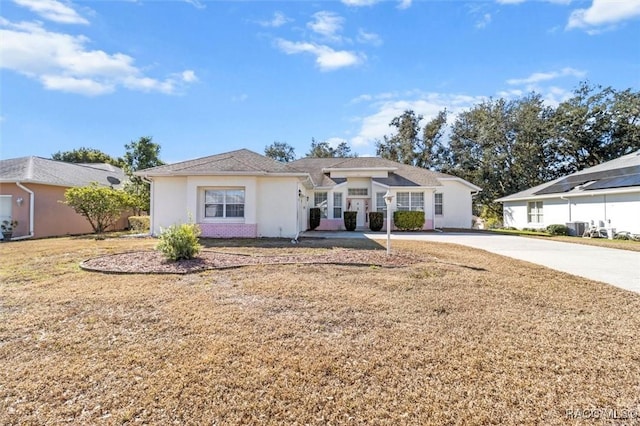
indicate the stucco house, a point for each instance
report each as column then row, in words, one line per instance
column 245, row 194
column 32, row 188
column 605, row 196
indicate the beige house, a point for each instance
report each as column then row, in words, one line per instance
column 32, row 190
column 245, row 194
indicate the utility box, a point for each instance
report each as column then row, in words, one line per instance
column 576, row 229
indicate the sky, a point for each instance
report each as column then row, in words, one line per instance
column 206, row 77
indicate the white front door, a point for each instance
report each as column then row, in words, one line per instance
column 359, row 206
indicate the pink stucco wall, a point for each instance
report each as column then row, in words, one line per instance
column 229, row 230
column 52, row 218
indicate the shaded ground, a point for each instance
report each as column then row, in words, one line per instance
column 462, row 337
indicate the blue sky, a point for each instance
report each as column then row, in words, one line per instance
column 204, row 77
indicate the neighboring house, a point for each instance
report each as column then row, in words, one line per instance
column 606, row 195
column 245, row 194
column 32, row 191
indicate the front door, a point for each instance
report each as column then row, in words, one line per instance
column 360, row 206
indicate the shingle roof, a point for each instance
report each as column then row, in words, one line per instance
column 399, row 174
column 58, row 173
column 241, row 161
column 623, row 172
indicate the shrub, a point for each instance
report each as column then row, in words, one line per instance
column 376, row 221
column 102, row 206
column 180, row 241
column 408, row 220
column 350, row 220
column 139, row 223
column 314, row 217
column 558, row 229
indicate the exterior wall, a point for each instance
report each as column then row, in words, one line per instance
column 270, row 205
column 622, row 210
column 51, row 217
column 456, row 205
column 277, row 213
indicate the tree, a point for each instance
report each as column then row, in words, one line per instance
column 597, row 124
column 324, row 150
column 502, row 146
column 433, row 154
column 142, row 154
column 280, row 151
column 101, row 205
column 87, row 155
column 402, row 146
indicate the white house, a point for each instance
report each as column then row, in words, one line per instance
column 245, row 194
column 606, row 195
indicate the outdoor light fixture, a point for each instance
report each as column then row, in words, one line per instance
column 388, row 199
column 19, row 201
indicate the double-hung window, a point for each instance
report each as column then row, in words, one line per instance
column 337, row 205
column 534, row 211
column 224, row 203
column 413, row 201
column 381, row 206
column 320, row 201
column 438, row 203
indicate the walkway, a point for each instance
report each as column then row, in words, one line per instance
column 620, row 268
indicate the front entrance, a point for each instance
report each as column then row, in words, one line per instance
column 361, row 206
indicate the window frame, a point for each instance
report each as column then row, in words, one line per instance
column 357, row 192
column 337, row 196
column 225, row 204
column 381, row 207
column 535, row 210
column 438, row 205
column 412, row 204
column 324, row 209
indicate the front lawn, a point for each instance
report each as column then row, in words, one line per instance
column 464, row 337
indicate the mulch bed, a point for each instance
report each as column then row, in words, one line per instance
column 153, row 262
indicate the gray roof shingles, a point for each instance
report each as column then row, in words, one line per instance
column 58, row 173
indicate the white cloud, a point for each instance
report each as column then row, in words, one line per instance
column 376, row 125
column 360, row 3
column 483, row 21
column 240, row 98
column 53, row 10
column 196, row 3
column 369, row 38
column 327, row 59
column 404, row 4
column 279, row 19
column 327, row 24
column 604, row 12
column 63, row 62
column 546, row 76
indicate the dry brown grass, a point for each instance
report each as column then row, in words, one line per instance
column 466, row 337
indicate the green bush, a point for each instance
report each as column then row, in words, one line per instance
column 350, row 220
column 558, row 229
column 376, row 221
column 180, row 242
column 139, row 223
column 314, row 217
column 408, row 220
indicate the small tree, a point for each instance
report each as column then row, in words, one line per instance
column 101, row 205
column 280, row 151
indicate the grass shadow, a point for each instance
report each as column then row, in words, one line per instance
column 303, row 243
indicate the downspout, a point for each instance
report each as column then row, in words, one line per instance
column 31, row 212
column 151, row 197
column 562, row 197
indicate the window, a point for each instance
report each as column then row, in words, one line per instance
column 438, row 203
column 358, row 192
column 337, row 205
column 410, row 201
column 320, row 201
column 534, row 211
column 224, row 203
column 381, row 206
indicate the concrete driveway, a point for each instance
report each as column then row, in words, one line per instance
column 620, row 268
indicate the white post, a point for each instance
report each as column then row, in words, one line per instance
column 388, row 198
